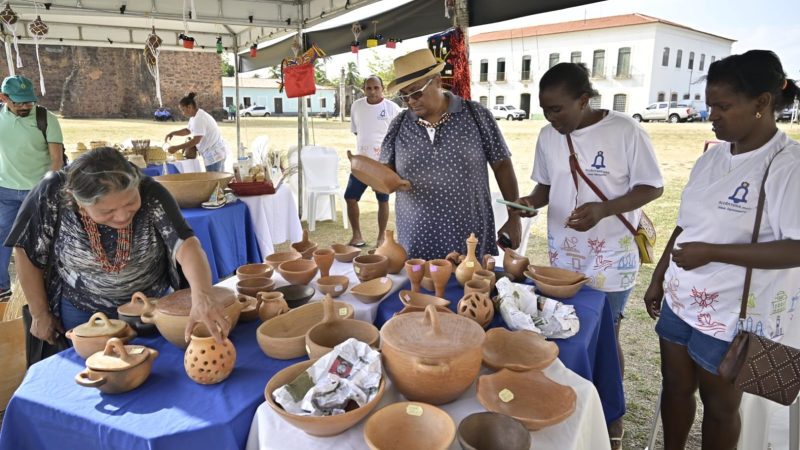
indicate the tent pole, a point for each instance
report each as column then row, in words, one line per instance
column 9, row 58
column 239, row 148
column 300, row 103
column 341, row 96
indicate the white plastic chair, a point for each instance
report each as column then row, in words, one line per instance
column 501, row 216
column 320, row 176
column 260, row 149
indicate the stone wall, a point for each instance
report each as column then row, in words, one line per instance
column 92, row 82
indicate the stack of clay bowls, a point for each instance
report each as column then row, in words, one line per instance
column 555, row 282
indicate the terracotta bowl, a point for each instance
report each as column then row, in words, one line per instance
column 305, row 248
column 373, row 290
column 374, row 174
column 284, row 336
column 333, row 285
column 369, row 267
column 192, row 189
column 317, row 425
column 420, row 300
column 410, row 308
column 332, row 331
column 493, row 431
column 560, row 291
column 252, row 286
column 275, row 259
column 299, row 271
column 554, row 275
column 249, row 311
column 345, row 253
column 517, row 350
column 296, row 295
column 259, row 270
column 409, row 425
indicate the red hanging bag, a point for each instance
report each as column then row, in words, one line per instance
column 298, row 79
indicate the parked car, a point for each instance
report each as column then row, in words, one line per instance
column 255, row 111
column 508, row 112
column 787, row 114
column 668, row 111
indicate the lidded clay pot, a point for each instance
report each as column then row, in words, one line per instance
column 470, row 263
column 207, row 361
column 432, row 357
column 91, row 337
column 132, row 314
column 117, row 368
column 395, row 252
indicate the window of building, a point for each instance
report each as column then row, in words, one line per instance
column 620, row 102
column 247, row 101
column 660, row 97
column 691, row 60
column 323, row 103
column 484, row 101
column 599, row 64
column 501, row 69
column 595, row 102
column 678, row 58
column 228, row 101
column 500, row 100
column 484, row 70
column 713, row 58
column 673, row 97
column 554, row 57
column 308, row 102
column 702, row 62
column 575, row 57
column 665, row 57
column 697, row 96
column 624, row 63
column 686, row 96
column 526, row 68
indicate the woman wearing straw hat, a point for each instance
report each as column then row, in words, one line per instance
column 441, row 144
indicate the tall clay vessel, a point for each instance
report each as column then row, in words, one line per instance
column 395, row 252
column 470, row 263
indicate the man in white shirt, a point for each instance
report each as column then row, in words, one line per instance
column 369, row 120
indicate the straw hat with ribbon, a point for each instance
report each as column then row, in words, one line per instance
column 415, row 66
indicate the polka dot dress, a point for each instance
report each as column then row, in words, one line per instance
column 449, row 196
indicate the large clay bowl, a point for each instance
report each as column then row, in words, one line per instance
column 115, row 382
column 529, row 397
column 517, row 350
column 345, row 253
column 369, row 267
column 276, row 259
column 373, row 290
column 258, row 270
column 333, row 285
column 492, row 431
column 252, row 286
column 317, row 425
column 88, row 346
column 421, row 300
column 332, row 331
column 374, row 174
column 192, row 189
column 296, row 294
column 409, row 425
column 560, row 291
column 555, row 275
column 299, row 271
column 284, row 336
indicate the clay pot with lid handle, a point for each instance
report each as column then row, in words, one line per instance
column 92, row 336
column 131, row 313
column 118, row 368
column 333, row 330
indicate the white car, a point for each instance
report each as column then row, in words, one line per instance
column 508, row 112
column 255, row 111
column 673, row 112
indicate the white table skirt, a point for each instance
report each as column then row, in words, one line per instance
column 188, row 165
column 584, row 429
column 274, row 219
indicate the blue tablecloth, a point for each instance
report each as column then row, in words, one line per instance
column 155, row 170
column 591, row 353
column 227, row 236
column 169, row 411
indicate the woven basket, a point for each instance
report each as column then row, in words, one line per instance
column 155, row 155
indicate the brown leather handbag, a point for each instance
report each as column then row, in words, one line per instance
column 755, row 364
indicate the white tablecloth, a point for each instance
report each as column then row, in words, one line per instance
column 274, row 219
column 584, row 429
column 188, row 165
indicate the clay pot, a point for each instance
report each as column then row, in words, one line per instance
column 131, row 313
column 529, row 397
column 334, row 285
column 431, row 357
column 415, row 270
column 296, row 295
column 252, row 286
column 317, row 425
column 440, row 270
column 517, row 350
column 492, row 431
column 275, row 259
column 284, row 336
column 408, row 425
column 479, row 286
column 117, row 368
column 271, row 304
column 259, row 270
column 559, row 291
column 515, row 264
column 373, row 290
column 207, row 361
column 395, row 252
column 488, row 262
column 369, row 267
column 345, row 253
column 411, row 308
column 300, row 271
column 555, row 276
column 486, row 275
column 470, row 262
column 332, row 331
column 478, row 307
column 249, row 311
column 324, row 260
column 305, row 247
column 92, row 336
column 419, row 300
column 374, row 174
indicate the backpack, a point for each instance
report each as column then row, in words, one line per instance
column 41, row 124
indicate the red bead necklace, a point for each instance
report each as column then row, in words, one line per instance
column 123, row 245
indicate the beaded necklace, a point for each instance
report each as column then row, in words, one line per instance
column 123, row 245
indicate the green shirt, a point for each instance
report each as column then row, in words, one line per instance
column 24, row 157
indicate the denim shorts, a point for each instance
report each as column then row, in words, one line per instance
column 355, row 189
column 706, row 351
column 617, row 301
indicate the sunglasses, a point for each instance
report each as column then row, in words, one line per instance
column 416, row 94
column 20, row 104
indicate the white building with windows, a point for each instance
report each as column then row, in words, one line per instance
column 634, row 60
column 266, row 92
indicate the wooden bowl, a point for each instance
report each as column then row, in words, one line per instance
column 276, row 259
column 420, row 300
column 299, row 271
column 517, row 350
column 296, row 294
column 409, row 425
column 317, row 425
column 192, row 189
column 258, row 270
column 374, row 174
column 559, row 291
column 373, row 290
column 284, row 336
column 333, row 285
column 555, row 276
column 369, row 267
column 345, row 253
column 492, row 431
column 529, row 397
column 252, row 286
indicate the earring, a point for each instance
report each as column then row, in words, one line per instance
column 758, row 115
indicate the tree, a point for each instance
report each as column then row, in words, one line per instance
column 320, row 76
column 382, row 67
column 275, row 72
column 227, row 69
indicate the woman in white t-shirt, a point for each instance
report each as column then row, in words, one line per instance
column 584, row 233
column 206, row 137
column 696, row 289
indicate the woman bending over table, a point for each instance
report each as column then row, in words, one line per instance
column 88, row 237
column 206, row 136
column 696, row 289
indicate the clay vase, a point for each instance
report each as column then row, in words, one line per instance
column 271, row 304
column 395, row 252
column 440, row 270
column 486, row 274
column 488, row 262
column 206, row 361
column 470, row 263
column 478, row 307
column 479, row 286
column 415, row 269
column 324, row 259
column 515, row 264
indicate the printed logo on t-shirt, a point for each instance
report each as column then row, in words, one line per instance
column 740, row 194
column 598, row 165
column 382, row 115
column 737, row 201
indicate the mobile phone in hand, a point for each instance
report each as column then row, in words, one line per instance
column 517, row 206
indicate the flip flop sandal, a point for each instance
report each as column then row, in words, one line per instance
column 616, row 442
column 357, row 244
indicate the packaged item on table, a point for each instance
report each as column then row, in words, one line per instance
column 522, row 309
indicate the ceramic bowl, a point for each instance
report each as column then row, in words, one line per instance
column 275, row 259
column 420, row 300
column 559, row 291
column 305, row 247
column 369, row 267
column 299, row 271
column 478, row 286
column 259, row 270
column 252, row 286
column 374, row 174
column 332, row 331
column 333, row 285
column 317, row 425
column 249, row 311
column 409, row 309
column 345, row 253
column 192, row 189
column 554, row 275
column 284, row 336
column 492, row 431
column 296, row 295
column 409, row 425
column 373, row 290
column 517, row 350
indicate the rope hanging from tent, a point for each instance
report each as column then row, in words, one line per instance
column 38, row 30
column 9, row 19
column 152, row 49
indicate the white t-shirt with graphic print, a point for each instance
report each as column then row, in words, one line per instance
column 718, row 205
column 616, row 154
column 212, row 147
column 369, row 123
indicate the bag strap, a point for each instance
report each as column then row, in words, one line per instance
column 576, row 170
column 41, row 121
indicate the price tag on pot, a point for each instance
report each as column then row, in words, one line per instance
column 357, row 269
column 342, row 312
column 416, row 268
column 470, row 264
column 434, row 268
column 506, row 395
column 414, row 410
column 384, row 280
column 337, row 289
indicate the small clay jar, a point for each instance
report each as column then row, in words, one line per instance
column 488, row 262
column 324, row 259
column 415, row 270
column 478, row 307
column 515, row 264
column 485, row 274
column 207, row 361
column 395, row 252
column 470, row 263
column 271, row 304
column 369, row 267
column 440, row 270
column 479, row 286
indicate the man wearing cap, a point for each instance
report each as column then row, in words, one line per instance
column 25, row 156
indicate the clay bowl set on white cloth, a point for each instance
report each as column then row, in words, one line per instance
column 333, row 330
column 556, row 282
